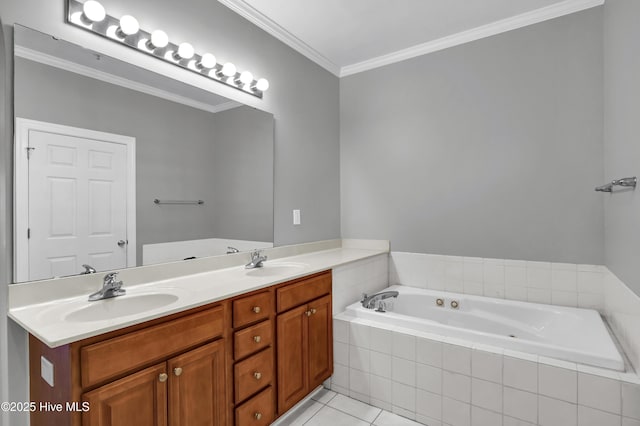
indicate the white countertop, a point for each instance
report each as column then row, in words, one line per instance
column 64, row 320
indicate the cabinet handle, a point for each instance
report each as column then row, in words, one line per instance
column 177, row 371
column 256, row 309
column 257, row 415
column 163, row 377
column 257, row 339
column 257, row 375
column 313, row 311
column 307, row 313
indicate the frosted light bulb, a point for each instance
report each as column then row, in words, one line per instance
column 262, row 85
column 246, row 77
column 129, row 25
column 159, row 39
column 94, row 11
column 208, row 61
column 185, row 51
column 229, row 69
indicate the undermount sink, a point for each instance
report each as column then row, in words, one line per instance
column 277, row 268
column 120, row 306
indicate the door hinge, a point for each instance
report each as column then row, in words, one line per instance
column 28, row 233
column 29, row 149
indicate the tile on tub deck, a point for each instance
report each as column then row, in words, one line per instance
column 456, row 386
column 429, row 352
column 429, row 404
column 381, row 340
column 456, row 358
column 456, row 413
column 510, row 421
column 520, row 404
column 631, row 400
column 403, row 396
column 600, row 393
column 555, row 412
column 559, row 383
column 482, row 417
column 486, row 394
column 380, row 391
column 429, row 378
column 592, row 417
column 380, row 364
column 520, row 374
column 403, row 371
column 404, row 345
column 486, row 365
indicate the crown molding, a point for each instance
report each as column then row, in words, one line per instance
column 518, row 21
column 53, row 61
column 271, row 27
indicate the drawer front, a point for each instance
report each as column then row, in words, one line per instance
column 304, row 291
column 252, row 339
column 252, row 308
column 102, row 361
column 253, row 374
column 258, row 411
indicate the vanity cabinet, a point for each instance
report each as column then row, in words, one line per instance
column 243, row 361
column 170, row 371
column 304, row 330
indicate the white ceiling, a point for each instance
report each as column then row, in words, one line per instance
column 350, row 36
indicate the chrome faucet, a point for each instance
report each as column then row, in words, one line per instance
column 110, row 288
column 88, row 269
column 369, row 302
column 256, row 260
column 232, row 250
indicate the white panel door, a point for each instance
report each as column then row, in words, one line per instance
column 77, row 204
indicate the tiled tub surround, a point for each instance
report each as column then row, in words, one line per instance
column 563, row 284
column 362, row 276
column 443, row 381
column 569, row 334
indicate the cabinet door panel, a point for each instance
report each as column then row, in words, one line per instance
column 292, row 357
column 197, row 394
column 320, row 341
column 139, row 399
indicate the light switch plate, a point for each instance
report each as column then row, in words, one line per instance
column 296, row 217
column 46, row 370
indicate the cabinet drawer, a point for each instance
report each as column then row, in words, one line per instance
column 102, row 361
column 252, row 339
column 252, row 308
column 302, row 292
column 258, row 411
column 253, row 374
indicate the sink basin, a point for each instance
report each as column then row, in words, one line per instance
column 120, row 306
column 277, row 268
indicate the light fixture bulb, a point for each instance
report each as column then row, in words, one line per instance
column 229, row 69
column 185, row 51
column 94, row 11
column 207, row 61
column 246, row 77
column 159, row 39
column 262, row 85
column 129, row 25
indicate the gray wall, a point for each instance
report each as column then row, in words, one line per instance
column 176, row 146
column 243, row 174
column 488, row 149
column 621, row 135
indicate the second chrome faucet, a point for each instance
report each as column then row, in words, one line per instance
column 256, row 260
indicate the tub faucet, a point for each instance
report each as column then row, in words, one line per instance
column 232, row 250
column 256, row 260
column 110, row 288
column 88, row 269
column 369, row 302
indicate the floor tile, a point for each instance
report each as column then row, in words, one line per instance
column 330, row 416
column 389, row 419
column 301, row 414
column 355, row 408
column 324, row 396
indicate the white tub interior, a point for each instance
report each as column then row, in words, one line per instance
column 571, row 334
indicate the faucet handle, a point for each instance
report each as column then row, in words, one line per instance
column 110, row 278
column 364, row 296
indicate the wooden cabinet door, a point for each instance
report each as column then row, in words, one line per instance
column 197, row 390
column 139, row 399
column 292, row 345
column 320, row 341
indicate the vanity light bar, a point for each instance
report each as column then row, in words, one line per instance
column 91, row 16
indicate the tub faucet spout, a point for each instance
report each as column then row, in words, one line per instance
column 369, row 302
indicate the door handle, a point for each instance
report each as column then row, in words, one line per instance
column 122, row 243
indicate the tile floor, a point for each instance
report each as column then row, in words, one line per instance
column 329, row 408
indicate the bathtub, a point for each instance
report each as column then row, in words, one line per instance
column 570, row 334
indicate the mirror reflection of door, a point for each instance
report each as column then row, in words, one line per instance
column 76, row 197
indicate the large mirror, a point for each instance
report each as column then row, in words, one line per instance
column 117, row 166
